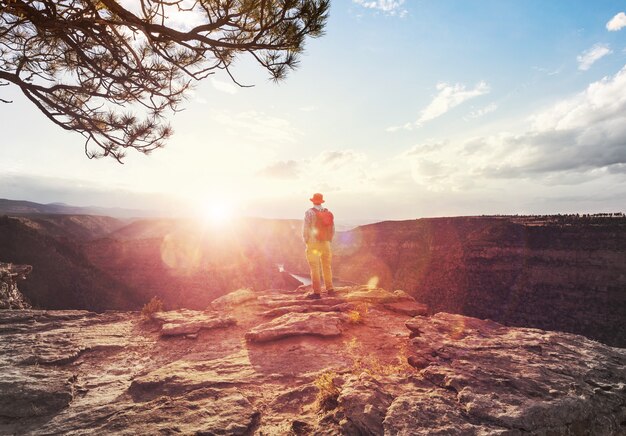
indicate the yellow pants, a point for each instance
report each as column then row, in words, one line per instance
column 316, row 253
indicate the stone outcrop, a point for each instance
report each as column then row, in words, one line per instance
column 322, row 324
column 190, row 322
column 10, row 296
column 235, row 298
column 385, row 372
column 521, row 379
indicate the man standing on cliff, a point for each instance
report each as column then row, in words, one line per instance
column 318, row 232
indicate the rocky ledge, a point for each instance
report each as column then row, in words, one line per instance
column 365, row 361
column 10, row 296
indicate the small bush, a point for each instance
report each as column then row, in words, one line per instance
column 357, row 316
column 328, row 391
column 354, row 317
column 153, row 306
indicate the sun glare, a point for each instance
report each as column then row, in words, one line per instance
column 218, row 212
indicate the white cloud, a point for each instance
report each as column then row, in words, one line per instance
column 339, row 169
column 576, row 141
column 602, row 100
column 477, row 113
column 390, row 7
column 447, row 98
column 617, row 22
column 226, row 87
column 587, row 58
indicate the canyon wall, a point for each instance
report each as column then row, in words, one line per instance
column 62, row 276
column 561, row 273
column 98, row 263
column 555, row 273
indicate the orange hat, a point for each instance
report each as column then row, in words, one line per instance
column 317, row 198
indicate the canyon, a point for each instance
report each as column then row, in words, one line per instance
column 440, row 337
column 565, row 273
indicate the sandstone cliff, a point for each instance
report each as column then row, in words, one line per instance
column 564, row 273
column 364, row 362
column 62, row 276
column 10, row 296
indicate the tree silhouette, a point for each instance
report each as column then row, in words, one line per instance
column 92, row 65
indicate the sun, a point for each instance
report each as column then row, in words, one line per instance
column 218, row 212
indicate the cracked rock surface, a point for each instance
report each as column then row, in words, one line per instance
column 263, row 364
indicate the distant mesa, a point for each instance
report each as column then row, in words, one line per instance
column 19, row 207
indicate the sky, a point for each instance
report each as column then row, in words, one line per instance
column 403, row 109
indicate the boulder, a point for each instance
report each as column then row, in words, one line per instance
column 233, row 299
column 298, row 324
column 189, row 322
column 214, row 412
column 436, row 413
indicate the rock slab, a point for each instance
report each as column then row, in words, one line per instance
column 324, row 324
column 516, row 379
column 189, row 322
column 235, row 298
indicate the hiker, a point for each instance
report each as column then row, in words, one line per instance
column 318, row 231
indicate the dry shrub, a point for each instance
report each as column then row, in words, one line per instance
column 153, row 306
column 328, row 391
column 357, row 316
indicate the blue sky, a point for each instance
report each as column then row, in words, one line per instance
column 402, row 110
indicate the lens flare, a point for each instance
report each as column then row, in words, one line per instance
column 181, row 252
column 372, row 283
